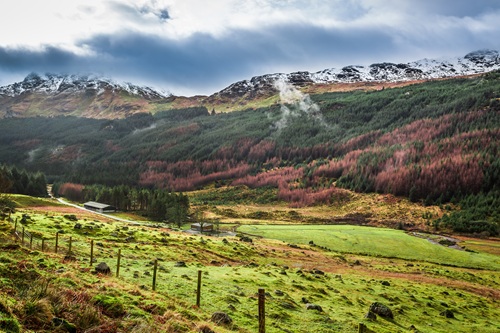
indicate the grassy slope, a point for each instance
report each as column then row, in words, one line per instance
column 233, row 271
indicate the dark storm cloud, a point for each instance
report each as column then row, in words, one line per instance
column 203, row 61
column 48, row 59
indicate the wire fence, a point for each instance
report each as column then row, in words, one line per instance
column 56, row 244
column 70, row 248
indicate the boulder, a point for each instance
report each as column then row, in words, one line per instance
column 103, row 268
column 246, row 239
column 381, row 309
column 316, row 307
column 447, row 313
column 221, row 318
column 180, row 264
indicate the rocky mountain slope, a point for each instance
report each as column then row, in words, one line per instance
column 97, row 97
column 263, row 86
column 86, row 96
column 56, row 84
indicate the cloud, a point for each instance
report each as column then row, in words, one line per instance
column 195, row 46
column 47, row 59
column 202, row 62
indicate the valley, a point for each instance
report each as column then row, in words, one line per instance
column 365, row 199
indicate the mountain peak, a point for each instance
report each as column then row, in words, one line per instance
column 76, row 95
column 485, row 56
column 51, row 83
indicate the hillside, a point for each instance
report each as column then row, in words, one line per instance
column 76, row 95
column 387, row 126
column 91, row 96
column 326, row 280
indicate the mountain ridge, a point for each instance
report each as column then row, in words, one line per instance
column 98, row 97
column 57, row 83
column 475, row 62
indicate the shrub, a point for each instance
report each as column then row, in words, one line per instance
column 37, row 313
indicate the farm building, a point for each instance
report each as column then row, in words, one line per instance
column 99, row 207
column 207, row 227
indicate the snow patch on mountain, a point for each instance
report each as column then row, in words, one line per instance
column 56, row 84
column 477, row 62
column 473, row 63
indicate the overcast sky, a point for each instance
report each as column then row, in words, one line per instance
column 201, row 46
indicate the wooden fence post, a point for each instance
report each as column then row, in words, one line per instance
column 15, row 232
column 91, row 251
column 198, row 290
column 361, row 328
column 262, row 311
column 118, row 263
column 31, row 241
column 22, row 238
column 43, row 244
column 69, row 247
column 154, row 274
column 57, row 241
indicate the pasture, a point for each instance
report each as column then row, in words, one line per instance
column 375, row 242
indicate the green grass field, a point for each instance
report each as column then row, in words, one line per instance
column 378, row 242
column 347, row 269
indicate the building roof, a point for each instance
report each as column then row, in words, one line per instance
column 199, row 225
column 97, row 205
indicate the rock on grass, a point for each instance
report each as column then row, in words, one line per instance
column 381, row 309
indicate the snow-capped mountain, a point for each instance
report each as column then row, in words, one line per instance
column 55, row 84
column 97, row 97
column 76, row 95
column 473, row 63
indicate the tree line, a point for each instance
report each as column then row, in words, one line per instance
column 19, row 181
